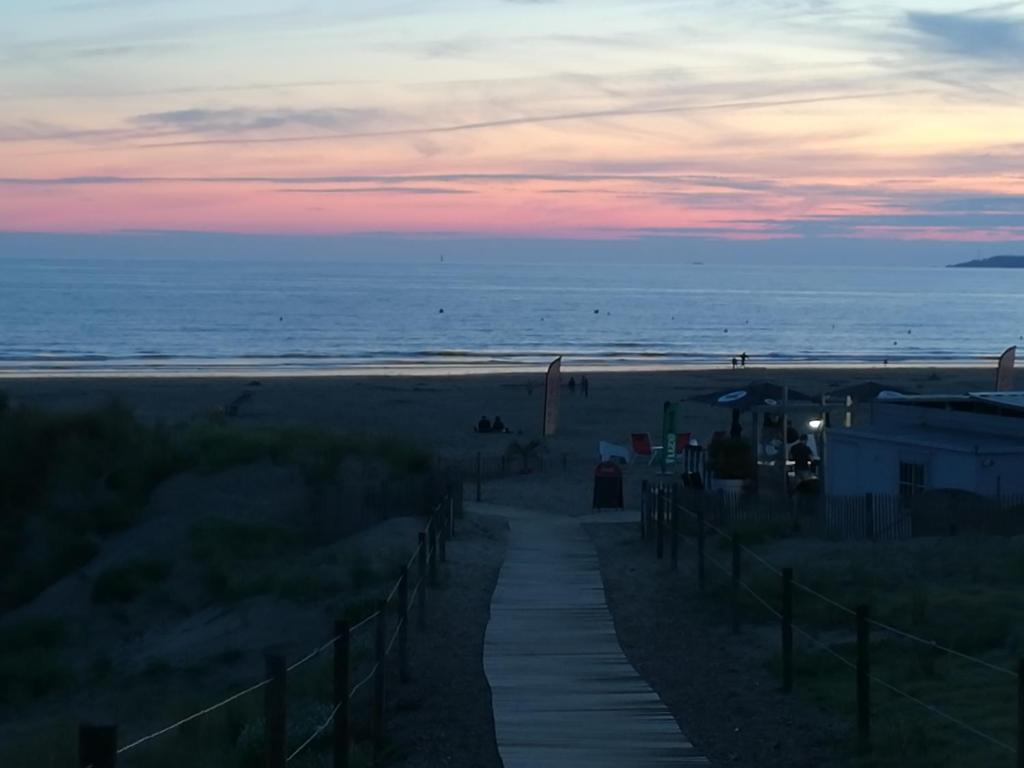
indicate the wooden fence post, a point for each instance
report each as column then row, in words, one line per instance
column 97, row 746
column 735, row 583
column 342, row 686
column 1020, row 713
column 644, row 493
column 275, row 705
column 674, row 549
column 379, row 679
column 432, row 554
column 700, row 542
column 403, row 628
column 660, row 523
column 422, row 567
column 787, row 630
column 479, row 472
column 869, row 516
column 863, row 680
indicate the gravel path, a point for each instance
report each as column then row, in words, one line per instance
column 444, row 715
column 717, row 685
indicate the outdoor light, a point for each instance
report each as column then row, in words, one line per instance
column 815, row 423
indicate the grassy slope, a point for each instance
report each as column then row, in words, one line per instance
column 963, row 593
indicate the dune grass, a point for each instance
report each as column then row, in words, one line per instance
column 69, row 478
column 962, row 593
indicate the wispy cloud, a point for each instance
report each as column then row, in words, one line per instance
column 243, row 119
column 970, row 34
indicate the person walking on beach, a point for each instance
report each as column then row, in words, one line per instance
column 734, row 363
column 585, row 386
column 572, row 385
column 743, row 360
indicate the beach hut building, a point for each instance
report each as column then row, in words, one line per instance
column 972, row 442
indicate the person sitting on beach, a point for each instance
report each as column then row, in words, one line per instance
column 498, row 425
column 484, row 425
column 802, row 456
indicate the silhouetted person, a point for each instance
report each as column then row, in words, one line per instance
column 484, row 425
column 802, row 456
column 572, row 385
column 743, row 360
column 498, row 425
column 734, row 363
column 585, row 386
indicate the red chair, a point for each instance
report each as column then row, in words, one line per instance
column 640, row 443
column 682, row 440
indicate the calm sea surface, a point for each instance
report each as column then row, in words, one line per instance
column 113, row 314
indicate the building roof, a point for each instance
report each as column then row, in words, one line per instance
column 936, row 438
column 1012, row 402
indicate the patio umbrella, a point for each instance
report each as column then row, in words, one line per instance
column 753, row 394
column 866, row 391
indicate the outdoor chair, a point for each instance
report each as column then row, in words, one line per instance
column 640, row 443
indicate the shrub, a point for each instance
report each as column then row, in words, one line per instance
column 128, row 582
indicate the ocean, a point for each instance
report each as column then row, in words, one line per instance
column 182, row 315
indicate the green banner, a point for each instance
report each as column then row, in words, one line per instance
column 668, row 435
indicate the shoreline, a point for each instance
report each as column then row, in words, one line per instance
column 455, row 371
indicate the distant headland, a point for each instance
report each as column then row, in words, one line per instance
column 994, row 262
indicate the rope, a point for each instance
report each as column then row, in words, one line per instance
column 319, row 729
column 314, row 653
column 935, row 645
column 761, row 600
column 194, row 716
column 839, row 657
column 364, row 622
column 945, row 716
column 761, row 560
column 393, row 592
column 822, row 597
column 394, row 637
column 361, row 683
column 881, row 625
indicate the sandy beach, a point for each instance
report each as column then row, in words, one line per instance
column 439, row 412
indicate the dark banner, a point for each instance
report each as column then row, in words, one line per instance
column 1005, row 372
column 552, row 388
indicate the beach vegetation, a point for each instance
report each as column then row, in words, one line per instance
column 527, row 452
column 126, row 583
column 30, row 664
column 960, row 593
column 69, row 479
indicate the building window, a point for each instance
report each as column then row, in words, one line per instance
column 911, row 480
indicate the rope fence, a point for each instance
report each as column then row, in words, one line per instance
column 660, row 509
column 97, row 745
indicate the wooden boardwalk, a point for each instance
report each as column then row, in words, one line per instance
column 562, row 690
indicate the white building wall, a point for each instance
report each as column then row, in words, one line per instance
column 858, row 465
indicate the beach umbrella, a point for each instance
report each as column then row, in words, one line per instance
column 866, row 391
column 751, row 395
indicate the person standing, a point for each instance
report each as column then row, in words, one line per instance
column 743, row 360
column 572, row 385
column 734, row 363
column 585, row 386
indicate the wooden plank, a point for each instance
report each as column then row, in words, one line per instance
column 563, row 692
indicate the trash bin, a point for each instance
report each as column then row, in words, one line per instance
column 608, row 486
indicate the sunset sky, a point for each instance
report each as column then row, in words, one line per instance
column 804, row 120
